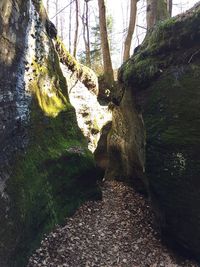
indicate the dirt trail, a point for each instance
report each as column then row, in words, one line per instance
column 117, row 231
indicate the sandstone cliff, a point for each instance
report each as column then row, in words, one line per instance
column 155, row 133
column 46, row 168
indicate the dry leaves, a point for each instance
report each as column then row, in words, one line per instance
column 117, row 231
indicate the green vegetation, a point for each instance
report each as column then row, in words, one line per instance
column 50, row 99
column 170, row 100
column 163, row 75
column 144, row 70
column 155, row 54
column 50, row 182
column 57, row 173
column 81, row 72
column 172, row 121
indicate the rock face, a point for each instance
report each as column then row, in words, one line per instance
column 14, row 99
column 126, row 143
column 91, row 116
column 158, row 108
column 46, row 168
column 100, row 154
column 83, row 89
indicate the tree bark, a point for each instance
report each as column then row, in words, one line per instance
column 48, row 7
column 70, row 27
column 151, row 13
column 62, row 27
column 169, row 7
column 86, row 35
column 76, row 29
column 108, row 70
column 56, row 3
column 156, row 11
column 131, row 27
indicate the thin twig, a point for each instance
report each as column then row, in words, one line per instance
column 62, row 9
column 141, row 27
column 193, row 56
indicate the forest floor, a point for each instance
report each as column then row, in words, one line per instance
column 117, row 231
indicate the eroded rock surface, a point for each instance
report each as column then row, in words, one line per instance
column 126, row 143
column 91, row 116
column 46, row 168
column 159, row 106
column 100, row 154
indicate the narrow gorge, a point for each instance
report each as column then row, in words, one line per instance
column 84, row 184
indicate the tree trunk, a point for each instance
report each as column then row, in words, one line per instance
column 70, row 27
column 169, row 7
column 131, row 27
column 151, row 13
column 86, row 35
column 76, row 29
column 62, row 27
column 156, row 11
column 108, row 70
column 56, row 3
column 48, row 7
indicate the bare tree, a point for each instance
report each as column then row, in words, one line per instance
column 169, row 7
column 56, row 3
column 76, row 28
column 48, row 6
column 131, row 27
column 70, row 27
column 86, row 32
column 62, row 22
column 156, row 11
column 108, row 70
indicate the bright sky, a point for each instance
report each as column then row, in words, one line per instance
column 119, row 9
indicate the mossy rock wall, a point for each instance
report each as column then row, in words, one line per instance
column 125, row 143
column 48, row 168
column 163, row 77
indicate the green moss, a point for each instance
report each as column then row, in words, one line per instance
column 48, row 88
column 169, row 98
column 82, row 73
column 172, row 121
column 168, row 23
column 67, row 58
column 156, row 52
column 49, row 181
column 140, row 72
column 57, row 173
column 169, row 104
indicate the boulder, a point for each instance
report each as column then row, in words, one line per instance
column 158, row 116
column 45, row 166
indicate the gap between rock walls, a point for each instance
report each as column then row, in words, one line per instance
column 61, row 134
